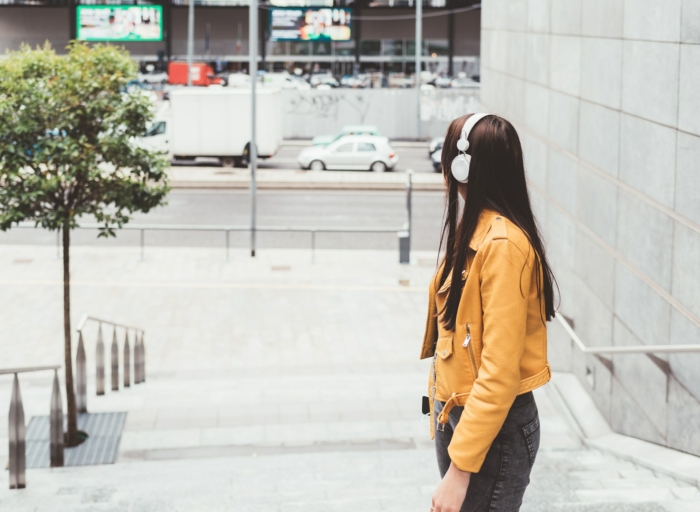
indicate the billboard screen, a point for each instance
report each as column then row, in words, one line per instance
column 119, row 23
column 310, row 24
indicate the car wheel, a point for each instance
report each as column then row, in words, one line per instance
column 227, row 161
column 317, row 165
column 378, row 167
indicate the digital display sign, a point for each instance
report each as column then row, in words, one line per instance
column 119, row 23
column 310, row 24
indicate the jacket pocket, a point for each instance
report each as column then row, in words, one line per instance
column 443, row 348
column 531, row 432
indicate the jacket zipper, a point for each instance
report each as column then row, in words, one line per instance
column 467, row 343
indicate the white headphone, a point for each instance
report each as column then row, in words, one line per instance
column 460, row 165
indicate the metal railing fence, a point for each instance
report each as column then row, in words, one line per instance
column 648, row 350
column 17, row 429
column 139, row 359
column 403, row 233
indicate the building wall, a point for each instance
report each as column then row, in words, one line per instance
column 604, row 96
column 35, row 25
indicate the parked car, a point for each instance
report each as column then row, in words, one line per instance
column 354, row 81
column 351, row 152
column 326, row 80
column 435, row 159
column 463, row 83
column 443, row 82
column 284, row 80
column 435, row 144
column 351, row 129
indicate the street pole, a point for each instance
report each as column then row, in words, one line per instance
column 419, row 48
column 252, row 152
column 190, row 42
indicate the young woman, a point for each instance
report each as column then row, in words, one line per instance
column 486, row 331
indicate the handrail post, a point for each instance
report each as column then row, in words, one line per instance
column 313, row 246
column 227, row 244
column 100, row 363
column 409, row 205
column 138, row 358
column 80, row 376
column 142, row 242
column 127, row 361
column 56, row 416
column 143, row 358
column 115, row 362
column 16, row 434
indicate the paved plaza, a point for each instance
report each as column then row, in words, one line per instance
column 273, row 384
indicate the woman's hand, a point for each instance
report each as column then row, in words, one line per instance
column 452, row 491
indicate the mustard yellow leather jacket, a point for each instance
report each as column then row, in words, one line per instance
column 498, row 348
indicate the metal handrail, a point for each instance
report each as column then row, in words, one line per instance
column 641, row 349
column 139, row 358
column 17, row 430
column 87, row 318
column 26, row 369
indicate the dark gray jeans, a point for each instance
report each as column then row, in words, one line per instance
column 500, row 484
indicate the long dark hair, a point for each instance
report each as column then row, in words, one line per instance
column 496, row 181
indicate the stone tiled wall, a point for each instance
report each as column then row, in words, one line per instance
column 606, row 97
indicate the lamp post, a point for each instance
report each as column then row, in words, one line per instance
column 252, row 151
column 190, row 42
column 419, row 52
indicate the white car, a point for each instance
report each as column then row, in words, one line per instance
column 351, row 152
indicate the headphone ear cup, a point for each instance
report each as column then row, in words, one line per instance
column 460, row 167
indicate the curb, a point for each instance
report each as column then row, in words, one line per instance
column 285, row 185
column 589, row 423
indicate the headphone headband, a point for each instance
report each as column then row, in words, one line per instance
column 471, row 122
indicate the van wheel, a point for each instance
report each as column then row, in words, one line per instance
column 378, row 167
column 227, row 161
column 317, row 165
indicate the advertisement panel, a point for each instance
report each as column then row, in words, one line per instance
column 119, row 23
column 310, row 24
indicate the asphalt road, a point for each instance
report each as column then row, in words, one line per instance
column 415, row 158
column 321, row 209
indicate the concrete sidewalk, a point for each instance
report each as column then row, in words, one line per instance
column 218, row 177
column 273, row 384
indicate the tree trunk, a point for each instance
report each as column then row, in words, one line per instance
column 72, row 433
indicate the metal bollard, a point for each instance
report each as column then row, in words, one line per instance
column 56, row 416
column 127, row 361
column 80, row 376
column 17, row 433
column 143, row 358
column 100, row 363
column 138, row 359
column 404, row 247
column 115, row 362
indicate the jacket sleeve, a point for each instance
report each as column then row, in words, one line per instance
column 505, row 281
column 430, row 335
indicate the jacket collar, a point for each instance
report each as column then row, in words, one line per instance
column 483, row 226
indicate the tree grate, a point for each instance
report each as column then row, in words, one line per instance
column 104, row 430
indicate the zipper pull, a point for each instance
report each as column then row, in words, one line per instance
column 468, row 338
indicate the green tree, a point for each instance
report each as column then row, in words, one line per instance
column 67, row 126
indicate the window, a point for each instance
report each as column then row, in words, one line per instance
column 392, row 47
column 344, row 148
column 366, row 146
column 156, row 129
column 371, row 47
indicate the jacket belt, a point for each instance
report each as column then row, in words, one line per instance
column 453, row 401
